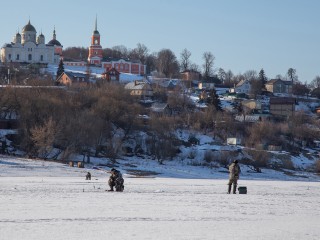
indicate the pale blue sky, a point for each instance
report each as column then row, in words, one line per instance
column 242, row 34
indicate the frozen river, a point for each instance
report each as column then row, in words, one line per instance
column 59, row 203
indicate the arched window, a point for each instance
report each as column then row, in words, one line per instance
column 30, row 57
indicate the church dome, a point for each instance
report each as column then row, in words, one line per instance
column 28, row 28
column 96, row 32
column 54, row 42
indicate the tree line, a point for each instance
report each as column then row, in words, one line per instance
column 101, row 120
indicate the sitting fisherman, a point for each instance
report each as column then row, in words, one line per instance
column 116, row 181
column 88, row 176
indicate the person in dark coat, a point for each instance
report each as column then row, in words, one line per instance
column 88, row 176
column 234, row 172
column 116, row 180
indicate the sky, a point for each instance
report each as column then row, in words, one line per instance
column 242, row 34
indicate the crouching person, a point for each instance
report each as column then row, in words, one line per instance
column 88, row 176
column 116, row 181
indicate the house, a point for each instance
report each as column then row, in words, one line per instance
column 161, row 108
column 111, row 75
column 279, row 86
column 140, row 89
column 70, row 78
column 206, row 85
column 282, row 106
column 244, row 86
column 189, row 75
column 251, row 104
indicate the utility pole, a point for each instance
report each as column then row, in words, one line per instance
column 8, row 76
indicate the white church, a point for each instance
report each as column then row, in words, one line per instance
column 27, row 47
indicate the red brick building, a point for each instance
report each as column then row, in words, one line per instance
column 124, row 66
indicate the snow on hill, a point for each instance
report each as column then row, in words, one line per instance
column 46, row 200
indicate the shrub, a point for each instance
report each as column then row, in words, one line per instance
column 208, row 156
column 192, row 154
column 287, row 164
column 258, row 159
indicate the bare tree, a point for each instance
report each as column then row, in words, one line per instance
column 208, row 64
column 315, row 83
column 140, row 53
column 185, row 59
column 229, row 76
column 167, row 63
column 195, row 67
column 250, row 75
column 120, row 51
column 222, row 75
column 44, row 136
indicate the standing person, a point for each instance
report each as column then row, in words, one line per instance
column 234, row 172
column 116, row 180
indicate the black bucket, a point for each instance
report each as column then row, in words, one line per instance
column 242, row 190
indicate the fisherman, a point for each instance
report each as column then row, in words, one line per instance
column 234, row 172
column 88, row 176
column 116, row 180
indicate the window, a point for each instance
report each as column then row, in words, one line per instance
column 9, row 56
column 41, row 58
column 18, row 57
column 29, row 57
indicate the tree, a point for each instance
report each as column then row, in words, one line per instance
column 151, row 63
column 315, row 83
column 222, row 75
column 195, row 67
column 256, row 87
column 167, row 63
column 292, row 75
column 185, row 59
column 300, row 89
column 76, row 53
column 229, row 76
column 43, row 137
column 60, row 68
column 250, row 75
column 120, row 51
column 214, row 100
column 208, row 64
column 262, row 77
column 140, row 53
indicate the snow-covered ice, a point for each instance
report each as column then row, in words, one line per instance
column 42, row 200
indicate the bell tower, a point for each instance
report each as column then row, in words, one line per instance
column 95, row 49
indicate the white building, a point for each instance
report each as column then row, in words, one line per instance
column 27, row 47
column 243, row 86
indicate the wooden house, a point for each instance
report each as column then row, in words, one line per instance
column 140, row 89
column 279, row 86
column 111, row 75
column 281, row 106
column 71, row 78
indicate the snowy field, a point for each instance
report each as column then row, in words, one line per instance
column 41, row 200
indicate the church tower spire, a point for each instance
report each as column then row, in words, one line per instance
column 96, row 24
column 95, row 50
